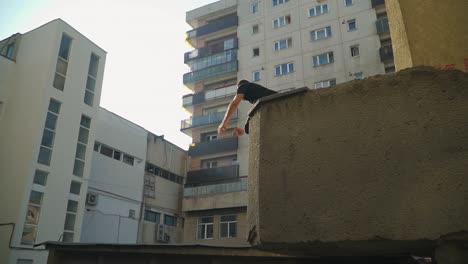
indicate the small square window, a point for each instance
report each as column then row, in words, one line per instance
column 352, row 25
column 348, row 2
column 59, row 81
column 355, row 51
column 88, row 98
column 83, row 135
column 78, row 168
column 80, row 151
column 85, row 121
column 45, row 155
column 117, row 155
column 75, row 187
column 127, row 159
column 256, row 76
column 256, row 52
column 358, row 76
column 255, row 29
column 54, row 106
column 72, row 206
column 40, row 177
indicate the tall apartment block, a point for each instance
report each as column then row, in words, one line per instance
column 280, row 44
column 50, row 88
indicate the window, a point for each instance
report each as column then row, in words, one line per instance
column 152, row 216
column 282, row 21
column 283, row 69
column 348, row 2
column 70, row 219
column 149, row 186
column 321, row 33
column 322, row 59
column 318, row 10
column 85, row 124
column 255, row 8
column 228, row 226
column 155, row 170
column 279, row 2
column 210, row 136
column 211, row 164
column 282, row 44
column 352, row 25
column 32, row 218
column 354, row 51
column 40, row 177
column 170, row 220
column 127, row 159
column 75, row 187
column 255, row 29
column 326, row 83
column 62, row 63
column 10, row 49
column 91, row 79
column 48, row 135
column 205, row 228
column 358, row 76
column 256, row 76
column 256, row 52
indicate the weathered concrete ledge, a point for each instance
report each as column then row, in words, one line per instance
column 366, row 167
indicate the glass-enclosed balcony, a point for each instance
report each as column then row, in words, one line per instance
column 377, row 3
column 382, row 26
column 215, row 59
column 204, row 120
column 216, row 188
column 212, row 175
column 210, row 72
column 214, row 26
column 210, row 50
column 198, row 98
column 214, row 146
column 386, row 53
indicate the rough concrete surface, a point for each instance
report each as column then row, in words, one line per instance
column 379, row 160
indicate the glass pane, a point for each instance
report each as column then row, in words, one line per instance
column 70, row 222
column 90, row 83
column 88, row 98
column 312, row 12
column 284, row 68
column 80, row 151
column 67, row 237
column 322, row 58
column 72, row 206
column 29, row 235
column 117, row 155
column 65, row 47
column 83, row 135
column 47, row 138
column 328, row 31
column 291, row 67
column 106, row 151
column 32, row 215
column 59, row 81
column 51, row 121
column 40, row 177
column 96, row 146
column 232, row 229
column 35, row 198
column 226, row 218
column 320, row 34
column 54, row 106
column 325, row 8
column 78, row 168
column 93, row 65
column 205, row 220
column 45, row 155
column 85, row 121
column 127, row 159
column 224, row 230
column 75, row 187
column 62, row 66
column 201, row 232
column 209, row 231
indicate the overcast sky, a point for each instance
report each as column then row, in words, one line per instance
column 145, row 43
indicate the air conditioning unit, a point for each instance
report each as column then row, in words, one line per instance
column 91, row 199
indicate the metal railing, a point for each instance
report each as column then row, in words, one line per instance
column 212, row 175
column 214, row 146
column 203, row 120
column 210, row 72
column 216, row 188
column 227, row 44
column 208, row 95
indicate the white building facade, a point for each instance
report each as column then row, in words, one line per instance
column 50, row 88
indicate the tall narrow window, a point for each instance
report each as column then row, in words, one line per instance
column 205, row 228
column 255, row 29
column 32, row 218
column 228, row 226
column 9, row 51
column 48, row 136
column 255, row 8
column 70, row 219
column 91, row 81
column 256, row 52
column 85, row 124
column 62, row 62
column 256, row 76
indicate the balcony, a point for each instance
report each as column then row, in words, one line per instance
column 204, row 120
column 213, row 60
column 212, row 147
column 210, row 50
column 382, row 26
column 386, row 53
column 203, row 176
column 213, row 26
column 198, row 98
column 210, row 72
column 377, row 3
column 216, row 188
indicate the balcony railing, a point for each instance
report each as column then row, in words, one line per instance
column 377, row 3
column 204, row 120
column 214, row 26
column 386, row 53
column 213, row 60
column 382, row 25
column 216, row 188
column 210, row 50
column 212, row 175
column 215, row 146
column 198, row 98
column 210, row 72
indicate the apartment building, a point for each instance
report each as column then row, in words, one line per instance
column 280, row 44
column 50, row 88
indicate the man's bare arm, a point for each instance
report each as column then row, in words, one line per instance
column 229, row 112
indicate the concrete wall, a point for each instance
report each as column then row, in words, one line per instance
column 379, row 160
column 429, row 33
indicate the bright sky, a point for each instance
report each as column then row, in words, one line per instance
column 145, row 44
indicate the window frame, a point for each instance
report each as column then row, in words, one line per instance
column 345, row 3
column 281, row 21
column 329, row 83
column 287, row 44
column 289, row 65
column 228, row 224
column 355, row 52
column 327, row 32
column 330, row 59
column 349, row 22
column 205, row 225
column 256, row 76
column 315, row 8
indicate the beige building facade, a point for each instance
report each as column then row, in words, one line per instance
column 279, row 44
column 50, row 88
